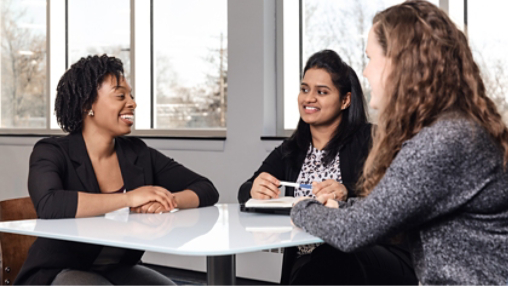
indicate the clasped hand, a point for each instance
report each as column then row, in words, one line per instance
column 151, row 199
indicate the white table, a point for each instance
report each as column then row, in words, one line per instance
column 218, row 232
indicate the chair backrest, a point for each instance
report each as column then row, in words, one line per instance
column 14, row 247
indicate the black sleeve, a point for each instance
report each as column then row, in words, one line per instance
column 47, row 168
column 175, row 177
column 273, row 165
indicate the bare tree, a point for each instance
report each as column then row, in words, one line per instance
column 218, row 81
column 23, row 70
column 340, row 26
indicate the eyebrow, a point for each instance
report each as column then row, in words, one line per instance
column 318, row 86
column 120, row 87
column 324, row 86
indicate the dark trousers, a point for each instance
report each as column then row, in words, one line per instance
column 118, row 275
column 377, row 265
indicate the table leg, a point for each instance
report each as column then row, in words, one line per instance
column 221, row 270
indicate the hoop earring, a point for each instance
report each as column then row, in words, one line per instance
column 90, row 112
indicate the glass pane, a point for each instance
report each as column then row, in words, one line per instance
column 23, row 64
column 97, row 27
column 489, row 45
column 342, row 26
column 190, row 63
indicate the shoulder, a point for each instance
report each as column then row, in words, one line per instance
column 54, row 149
column 52, row 144
column 454, row 136
column 450, row 130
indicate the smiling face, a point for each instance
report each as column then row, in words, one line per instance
column 114, row 108
column 376, row 71
column 319, row 100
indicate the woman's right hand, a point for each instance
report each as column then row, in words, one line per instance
column 265, row 187
column 146, row 194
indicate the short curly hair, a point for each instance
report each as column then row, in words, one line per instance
column 77, row 89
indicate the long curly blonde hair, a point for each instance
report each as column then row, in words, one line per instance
column 433, row 73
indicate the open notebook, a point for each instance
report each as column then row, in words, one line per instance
column 275, row 206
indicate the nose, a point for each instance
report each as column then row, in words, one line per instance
column 131, row 104
column 310, row 96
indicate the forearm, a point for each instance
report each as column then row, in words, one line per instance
column 186, row 199
column 99, row 204
column 331, row 225
column 348, row 202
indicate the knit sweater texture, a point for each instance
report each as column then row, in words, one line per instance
column 447, row 191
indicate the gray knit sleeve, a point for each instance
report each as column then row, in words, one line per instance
column 424, row 181
column 349, row 202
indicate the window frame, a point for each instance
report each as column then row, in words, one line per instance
column 56, row 64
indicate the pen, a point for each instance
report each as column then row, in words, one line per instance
column 296, row 185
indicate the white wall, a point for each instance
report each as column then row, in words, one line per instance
column 251, row 107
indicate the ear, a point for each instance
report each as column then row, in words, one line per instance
column 346, row 101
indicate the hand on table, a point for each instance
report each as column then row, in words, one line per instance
column 336, row 190
column 151, row 199
column 328, row 201
column 150, row 208
column 265, row 187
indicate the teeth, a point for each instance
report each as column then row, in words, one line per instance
column 311, row 108
column 128, row 117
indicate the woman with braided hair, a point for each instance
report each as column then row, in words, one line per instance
column 436, row 175
column 94, row 170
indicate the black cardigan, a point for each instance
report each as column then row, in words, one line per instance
column 351, row 155
column 60, row 168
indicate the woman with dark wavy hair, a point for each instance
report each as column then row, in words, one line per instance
column 95, row 170
column 437, row 173
column 328, row 150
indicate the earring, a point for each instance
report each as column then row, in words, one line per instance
column 90, row 112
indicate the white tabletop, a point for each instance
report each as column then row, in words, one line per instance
column 218, row 230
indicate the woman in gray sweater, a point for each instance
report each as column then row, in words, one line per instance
column 437, row 172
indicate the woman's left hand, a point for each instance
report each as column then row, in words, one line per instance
column 150, row 208
column 328, row 201
column 337, row 190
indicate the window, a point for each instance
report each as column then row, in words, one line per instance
column 339, row 25
column 190, row 63
column 489, row 45
column 23, row 64
column 174, row 55
column 98, row 27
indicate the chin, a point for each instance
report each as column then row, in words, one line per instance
column 310, row 122
column 124, row 132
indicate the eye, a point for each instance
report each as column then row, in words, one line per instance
column 132, row 96
column 322, row 92
column 304, row 89
column 121, row 96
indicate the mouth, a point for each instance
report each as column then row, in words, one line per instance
column 310, row 109
column 127, row 118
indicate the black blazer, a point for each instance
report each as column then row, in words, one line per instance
column 352, row 156
column 60, row 168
